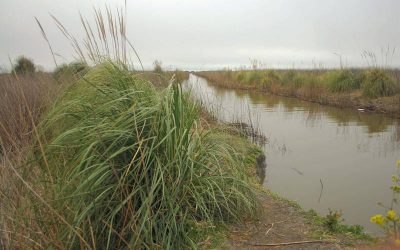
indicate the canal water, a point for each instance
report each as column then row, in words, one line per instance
column 322, row 157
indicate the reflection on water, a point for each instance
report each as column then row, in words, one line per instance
column 261, row 167
column 352, row 153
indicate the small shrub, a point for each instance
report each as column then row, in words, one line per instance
column 157, row 67
column 342, row 81
column 253, row 77
column 24, row 66
column 240, row 76
column 272, row 76
column 378, row 83
column 333, row 220
column 74, row 69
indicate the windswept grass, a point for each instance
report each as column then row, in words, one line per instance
column 126, row 166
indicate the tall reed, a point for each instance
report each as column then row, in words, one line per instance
column 127, row 166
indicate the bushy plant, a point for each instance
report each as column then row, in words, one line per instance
column 157, row 67
column 240, row 76
column 24, row 65
column 253, row 77
column 342, row 81
column 74, row 69
column 378, row 83
column 288, row 77
column 270, row 77
column 300, row 79
column 131, row 167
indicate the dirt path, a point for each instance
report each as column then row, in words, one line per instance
column 282, row 222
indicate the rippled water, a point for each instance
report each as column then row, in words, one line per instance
column 353, row 154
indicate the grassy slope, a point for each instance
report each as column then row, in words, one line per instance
column 121, row 163
column 203, row 233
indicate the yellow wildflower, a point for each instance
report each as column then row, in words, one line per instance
column 391, row 215
column 397, row 241
column 377, row 219
column 395, row 188
column 398, row 163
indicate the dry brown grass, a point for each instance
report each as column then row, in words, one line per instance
column 22, row 102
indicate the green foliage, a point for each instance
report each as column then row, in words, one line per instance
column 333, row 223
column 390, row 222
column 132, row 167
column 24, row 66
column 378, row 83
column 253, row 77
column 289, row 77
column 240, row 76
column 74, row 69
column 269, row 77
column 332, row 220
column 342, row 81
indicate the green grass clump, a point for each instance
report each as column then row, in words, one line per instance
column 378, row 83
column 333, row 224
column 253, row 77
column 342, row 81
column 132, row 167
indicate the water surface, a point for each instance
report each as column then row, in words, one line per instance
column 351, row 154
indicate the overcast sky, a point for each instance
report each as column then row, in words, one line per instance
column 204, row 34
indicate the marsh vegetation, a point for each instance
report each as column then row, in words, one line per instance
column 373, row 89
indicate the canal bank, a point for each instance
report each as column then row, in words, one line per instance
column 322, row 157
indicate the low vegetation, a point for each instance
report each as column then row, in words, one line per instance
column 379, row 83
column 23, row 66
column 118, row 162
column 23, row 100
column 75, row 70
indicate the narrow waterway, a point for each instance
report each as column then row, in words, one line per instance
column 322, row 157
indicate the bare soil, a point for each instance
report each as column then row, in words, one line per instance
column 289, row 227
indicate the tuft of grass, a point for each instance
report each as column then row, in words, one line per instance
column 333, row 224
column 378, row 83
column 127, row 166
column 342, row 81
